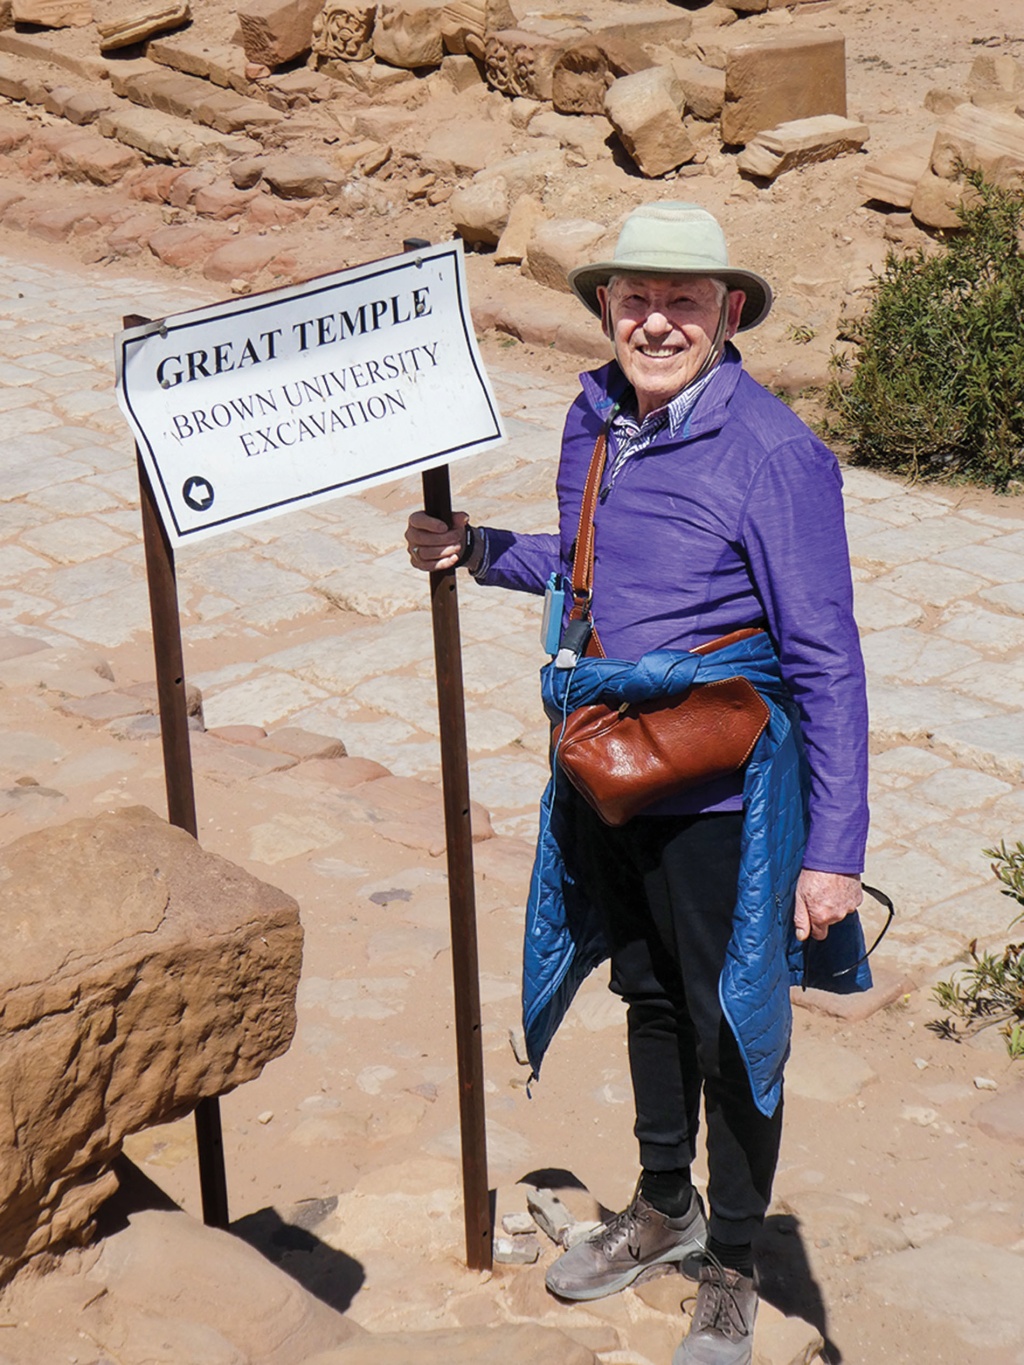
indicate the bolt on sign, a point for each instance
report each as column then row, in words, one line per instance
column 262, row 405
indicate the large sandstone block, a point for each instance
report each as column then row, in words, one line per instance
column 983, row 140
column 408, row 33
column 527, row 173
column 703, row 86
column 645, row 111
column 465, row 24
column 936, row 201
column 892, row 177
column 522, row 64
column 277, row 31
column 137, row 23
column 558, row 247
column 480, row 211
column 996, row 81
column 343, row 31
column 794, row 76
column 141, row 974
column 52, row 13
column 584, row 72
column 800, row 143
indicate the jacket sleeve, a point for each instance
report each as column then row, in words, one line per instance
column 794, row 535
column 523, row 563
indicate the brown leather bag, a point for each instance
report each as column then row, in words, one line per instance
column 624, row 759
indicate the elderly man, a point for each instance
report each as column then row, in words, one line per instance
column 719, row 511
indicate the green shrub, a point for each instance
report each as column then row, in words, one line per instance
column 937, row 389
column 990, row 990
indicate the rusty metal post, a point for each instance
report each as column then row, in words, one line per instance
column 181, row 800
column 444, row 604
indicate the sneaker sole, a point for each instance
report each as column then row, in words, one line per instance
column 679, row 1254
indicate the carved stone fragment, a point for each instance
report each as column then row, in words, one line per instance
column 463, row 19
column 408, row 33
column 521, row 63
column 343, row 31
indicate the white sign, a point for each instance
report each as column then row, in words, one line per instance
column 260, row 405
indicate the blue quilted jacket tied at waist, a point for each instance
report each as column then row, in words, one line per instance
column 564, row 940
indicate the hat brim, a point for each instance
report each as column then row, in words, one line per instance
column 586, row 280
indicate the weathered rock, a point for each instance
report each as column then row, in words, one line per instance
column 195, row 53
column 941, row 101
column 277, row 31
column 343, row 31
column 462, row 72
column 52, row 13
column 141, row 23
column 558, row 247
column 142, row 976
column 96, row 159
column 222, row 200
column 526, row 213
column 521, row 63
column 155, row 1290
column 794, row 76
column 84, row 106
column 240, row 259
column 800, row 143
column 550, row 1214
column 983, row 140
column 408, row 33
column 470, row 21
column 182, row 246
column 300, row 177
column 892, row 177
column 644, row 109
column 703, row 86
column 480, row 211
column 584, row 72
column 525, row 174
column 996, row 75
column 936, row 201
column 779, row 1340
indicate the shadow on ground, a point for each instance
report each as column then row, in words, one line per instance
column 290, row 1242
column 787, row 1280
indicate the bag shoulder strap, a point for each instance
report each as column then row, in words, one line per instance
column 583, row 559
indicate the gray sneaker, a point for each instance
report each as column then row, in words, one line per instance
column 722, row 1331
column 616, row 1254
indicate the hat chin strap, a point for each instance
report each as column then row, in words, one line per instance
column 717, row 345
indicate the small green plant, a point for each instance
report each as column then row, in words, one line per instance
column 991, row 990
column 937, row 388
column 801, row 335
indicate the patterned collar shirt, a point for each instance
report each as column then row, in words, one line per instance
column 630, row 436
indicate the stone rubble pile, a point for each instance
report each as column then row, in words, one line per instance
column 982, row 128
column 212, row 135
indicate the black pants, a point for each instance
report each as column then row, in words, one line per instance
column 666, row 886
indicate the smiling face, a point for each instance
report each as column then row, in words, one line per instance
column 663, row 329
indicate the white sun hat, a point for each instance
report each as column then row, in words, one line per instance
column 673, row 238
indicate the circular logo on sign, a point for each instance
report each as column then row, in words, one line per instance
column 198, row 493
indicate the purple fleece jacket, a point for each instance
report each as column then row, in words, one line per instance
column 736, row 520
